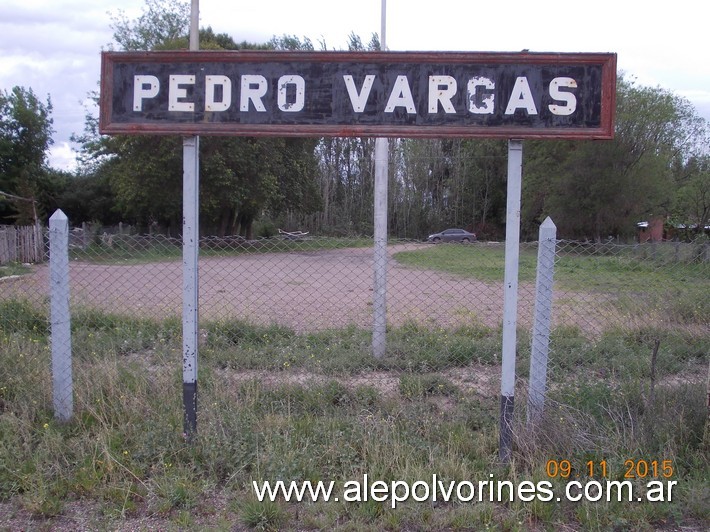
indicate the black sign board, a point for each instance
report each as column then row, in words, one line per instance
column 395, row 94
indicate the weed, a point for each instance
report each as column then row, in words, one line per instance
column 264, row 515
column 417, row 386
column 21, row 316
column 336, row 414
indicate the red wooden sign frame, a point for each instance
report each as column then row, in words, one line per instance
column 402, row 80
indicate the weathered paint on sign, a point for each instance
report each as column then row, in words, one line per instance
column 513, row 95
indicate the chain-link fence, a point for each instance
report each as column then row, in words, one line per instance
column 302, row 304
column 290, row 389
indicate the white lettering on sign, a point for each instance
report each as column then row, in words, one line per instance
column 569, row 98
column 359, row 99
column 300, row 84
column 521, row 97
column 401, row 96
column 441, row 90
column 176, row 92
column 211, row 84
column 487, row 99
column 254, row 88
column 144, row 87
column 290, row 94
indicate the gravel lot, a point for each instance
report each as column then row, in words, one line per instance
column 311, row 290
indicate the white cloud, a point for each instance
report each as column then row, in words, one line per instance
column 54, row 49
column 62, row 157
column 54, row 46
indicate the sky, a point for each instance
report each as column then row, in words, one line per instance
column 53, row 47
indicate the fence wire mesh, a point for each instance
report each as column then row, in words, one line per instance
column 289, row 386
column 302, row 304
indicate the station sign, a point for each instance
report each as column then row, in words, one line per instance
column 382, row 94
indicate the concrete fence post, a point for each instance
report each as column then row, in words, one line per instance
column 542, row 320
column 510, row 298
column 60, row 319
column 379, row 294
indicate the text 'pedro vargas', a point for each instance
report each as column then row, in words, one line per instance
column 291, row 90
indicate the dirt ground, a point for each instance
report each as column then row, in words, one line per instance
column 310, row 290
column 306, row 291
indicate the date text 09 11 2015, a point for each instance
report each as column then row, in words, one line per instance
column 633, row 469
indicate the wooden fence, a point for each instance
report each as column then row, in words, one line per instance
column 21, row 244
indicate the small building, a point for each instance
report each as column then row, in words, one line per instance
column 650, row 231
column 657, row 230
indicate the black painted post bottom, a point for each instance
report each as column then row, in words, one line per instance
column 189, row 401
column 506, row 428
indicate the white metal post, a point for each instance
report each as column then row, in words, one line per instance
column 379, row 293
column 510, row 301
column 60, row 319
column 540, row 347
column 190, row 255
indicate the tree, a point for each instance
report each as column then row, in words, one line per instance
column 88, row 197
column 160, row 26
column 241, row 178
column 345, row 173
column 691, row 203
column 25, row 137
column 594, row 189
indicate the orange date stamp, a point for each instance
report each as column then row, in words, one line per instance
column 632, row 469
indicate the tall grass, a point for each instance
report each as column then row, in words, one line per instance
column 276, row 405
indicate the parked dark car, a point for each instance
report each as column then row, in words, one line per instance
column 452, row 235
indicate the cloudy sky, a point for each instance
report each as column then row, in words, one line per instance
column 53, row 47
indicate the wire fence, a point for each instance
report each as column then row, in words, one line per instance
column 299, row 308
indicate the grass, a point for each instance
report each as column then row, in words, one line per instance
column 13, row 268
column 479, row 261
column 634, row 290
column 627, row 271
column 276, row 405
column 239, row 345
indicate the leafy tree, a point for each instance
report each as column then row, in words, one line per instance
column 691, row 203
column 346, row 175
column 145, row 174
column 594, row 189
column 88, row 197
column 483, row 187
column 25, row 137
column 448, row 183
column 241, row 178
column 160, row 26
